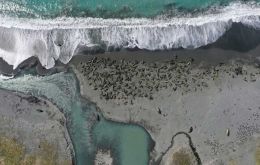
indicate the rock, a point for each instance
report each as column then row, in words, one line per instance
column 227, row 132
column 103, row 158
column 159, row 111
column 191, row 130
column 239, row 71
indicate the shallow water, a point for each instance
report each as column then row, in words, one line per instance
column 103, row 8
column 97, row 8
column 132, row 142
column 129, row 143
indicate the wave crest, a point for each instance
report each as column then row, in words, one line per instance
column 62, row 38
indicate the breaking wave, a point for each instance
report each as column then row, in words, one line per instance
column 62, row 38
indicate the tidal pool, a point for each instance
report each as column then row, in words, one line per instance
column 130, row 143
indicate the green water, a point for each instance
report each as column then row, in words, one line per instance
column 130, row 144
column 103, row 8
column 199, row 4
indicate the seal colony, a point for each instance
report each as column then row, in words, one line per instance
column 178, row 95
column 169, row 97
column 195, row 112
column 127, row 80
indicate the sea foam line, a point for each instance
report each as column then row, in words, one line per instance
column 62, row 38
column 235, row 12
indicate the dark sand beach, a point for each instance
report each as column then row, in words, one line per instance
column 187, row 91
column 178, row 97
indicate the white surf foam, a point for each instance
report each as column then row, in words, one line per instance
column 62, row 38
column 3, row 77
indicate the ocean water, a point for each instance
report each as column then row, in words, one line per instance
column 98, row 8
column 129, row 143
column 104, row 8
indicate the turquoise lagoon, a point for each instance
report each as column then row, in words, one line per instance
column 129, row 144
